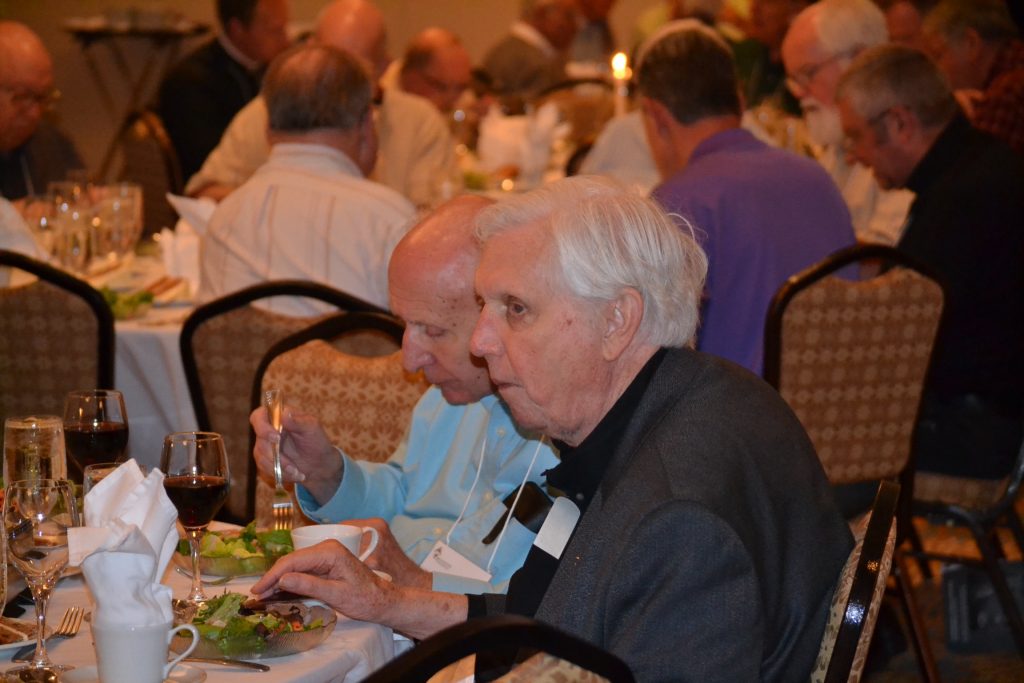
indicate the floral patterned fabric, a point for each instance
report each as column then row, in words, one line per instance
column 976, row 494
column 854, row 357
column 49, row 347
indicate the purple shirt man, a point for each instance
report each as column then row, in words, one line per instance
column 761, row 214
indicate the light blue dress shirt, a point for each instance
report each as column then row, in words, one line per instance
column 424, row 485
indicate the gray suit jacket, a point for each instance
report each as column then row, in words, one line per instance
column 713, row 544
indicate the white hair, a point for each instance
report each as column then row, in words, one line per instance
column 606, row 239
column 848, row 26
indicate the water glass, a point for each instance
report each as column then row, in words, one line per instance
column 73, row 224
column 34, row 448
column 97, row 472
column 117, row 218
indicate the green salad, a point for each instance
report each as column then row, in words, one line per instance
column 126, row 306
column 233, row 553
column 238, row 631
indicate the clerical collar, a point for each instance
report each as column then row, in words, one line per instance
column 581, row 470
column 247, row 63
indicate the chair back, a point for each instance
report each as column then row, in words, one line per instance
column 364, row 403
column 564, row 657
column 850, row 358
column 148, row 158
column 222, row 343
column 858, row 594
column 56, row 336
column 990, row 499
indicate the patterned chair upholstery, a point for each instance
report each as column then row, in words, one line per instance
column 222, row 344
column 858, row 594
column 56, row 336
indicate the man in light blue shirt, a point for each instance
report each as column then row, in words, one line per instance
column 462, row 452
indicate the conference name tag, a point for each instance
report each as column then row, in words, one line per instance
column 561, row 520
column 445, row 560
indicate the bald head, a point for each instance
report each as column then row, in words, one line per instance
column 437, row 67
column 430, row 280
column 26, row 79
column 358, row 27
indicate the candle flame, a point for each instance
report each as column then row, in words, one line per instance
column 620, row 66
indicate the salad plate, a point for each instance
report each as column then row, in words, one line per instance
column 273, row 629
column 236, row 552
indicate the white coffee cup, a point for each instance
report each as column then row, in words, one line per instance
column 345, row 534
column 138, row 654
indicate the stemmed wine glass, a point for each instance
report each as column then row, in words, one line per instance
column 37, row 515
column 196, row 469
column 95, row 428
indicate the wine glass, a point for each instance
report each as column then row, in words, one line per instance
column 37, row 515
column 34, row 448
column 95, row 428
column 196, row 481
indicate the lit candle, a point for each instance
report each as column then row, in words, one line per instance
column 620, row 75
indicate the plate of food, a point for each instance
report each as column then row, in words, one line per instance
column 232, row 626
column 236, row 552
column 15, row 633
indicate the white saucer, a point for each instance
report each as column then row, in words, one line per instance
column 183, row 673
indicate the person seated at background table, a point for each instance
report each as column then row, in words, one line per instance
column 759, row 57
column 708, row 543
column 309, row 212
column 905, row 19
column 462, row 447
column 762, row 214
column 533, row 55
column 202, row 93
column 901, row 119
column 435, row 66
column 33, row 151
column 416, row 147
column 978, row 47
column 594, row 41
column 821, row 42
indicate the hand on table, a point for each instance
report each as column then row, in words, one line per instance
column 389, row 557
column 307, row 455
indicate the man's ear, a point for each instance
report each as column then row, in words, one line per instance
column 657, row 114
column 621, row 320
column 903, row 124
column 972, row 45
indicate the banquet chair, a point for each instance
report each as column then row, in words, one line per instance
column 981, row 506
column 850, row 357
column 56, row 335
column 148, row 158
column 362, row 400
column 222, row 343
column 859, row 592
column 561, row 656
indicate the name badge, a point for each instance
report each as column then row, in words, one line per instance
column 445, row 560
column 561, row 520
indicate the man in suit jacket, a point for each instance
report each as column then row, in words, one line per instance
column 708, row 544
column 203, row 92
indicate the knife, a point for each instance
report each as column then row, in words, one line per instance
column 229, row 662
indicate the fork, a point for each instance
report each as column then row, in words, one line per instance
column 273, row 399
column 68, row 627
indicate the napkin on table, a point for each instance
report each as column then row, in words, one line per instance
column 180, row 246
column 125, row 545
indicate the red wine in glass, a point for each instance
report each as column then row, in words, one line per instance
column 197, row 498
column 89, row 443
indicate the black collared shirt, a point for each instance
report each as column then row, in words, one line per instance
column 577, row 476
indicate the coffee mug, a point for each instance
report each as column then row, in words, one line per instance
column 138, row 654
column 345, row 534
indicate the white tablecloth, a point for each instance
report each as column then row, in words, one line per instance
column 349, row 654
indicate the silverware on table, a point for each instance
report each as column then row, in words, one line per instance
column 68, row 628
column 229, row 662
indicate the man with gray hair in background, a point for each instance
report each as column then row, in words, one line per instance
column 821, row 42
column 692, row 493
column 900, row 118
column 309, row 212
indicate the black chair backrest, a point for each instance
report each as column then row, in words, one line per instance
column 499, row 632
column 19, row 335
column 148, row 158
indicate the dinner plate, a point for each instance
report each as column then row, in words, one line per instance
column 182, row 673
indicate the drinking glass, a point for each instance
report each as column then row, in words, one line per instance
column 40, row 214
column 95, row 428
column 37, row 515
column 97, row 472
column 34, row 448
column 117, row 214
column 196, row 469
column 73, row 223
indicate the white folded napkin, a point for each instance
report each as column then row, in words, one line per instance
column 180, row 250
column 125, row 545
column 521, row 141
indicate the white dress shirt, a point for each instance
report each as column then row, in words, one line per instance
column 416, row 149
column 307, row 213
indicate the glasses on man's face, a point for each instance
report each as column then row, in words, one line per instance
column 853, row 139
column 442, row 86
column 23, row 98
column 801, row 79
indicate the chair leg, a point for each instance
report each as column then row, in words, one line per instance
column 915, row 543
column 990, row 556
column 918, row 633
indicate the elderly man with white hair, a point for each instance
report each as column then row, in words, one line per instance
column 692, row 494
column 821, row 42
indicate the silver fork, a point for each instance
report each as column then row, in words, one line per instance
column 68, row 627
column 273, row 399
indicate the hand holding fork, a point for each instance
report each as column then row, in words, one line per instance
column 273, row 400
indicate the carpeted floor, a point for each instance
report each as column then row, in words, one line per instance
column 991, row 668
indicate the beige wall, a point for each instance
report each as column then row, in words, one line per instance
column 83, row 114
